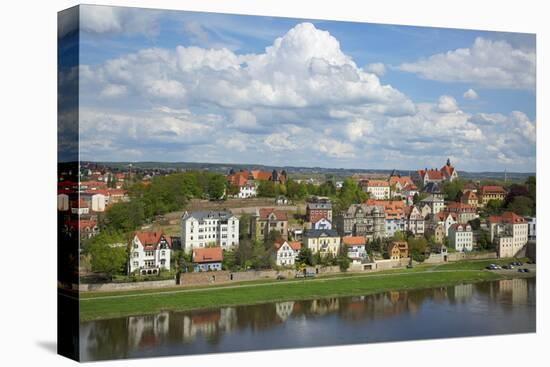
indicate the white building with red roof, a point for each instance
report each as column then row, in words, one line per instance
column 378, row 189
column 356, row 248
column 461, row 237
column 149, row 253
column 445, row 173
column 509, row 232
column 285, row 253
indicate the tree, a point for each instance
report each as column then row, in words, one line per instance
column 417, row 248
column 229, row 260
column 343, row 262
column 521, row 205
column 274, row 236
column 493, row 206
column 267, row 189
column 305, row 256
column 244, row 224
column 216, row 187
column 451, row 189
column 484, row 241
column 399, row 236
column 108, row 259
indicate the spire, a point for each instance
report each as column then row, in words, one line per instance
column 448, row 162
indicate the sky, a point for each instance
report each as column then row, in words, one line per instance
column 180, row 86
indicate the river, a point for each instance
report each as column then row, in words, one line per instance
column 488, row 308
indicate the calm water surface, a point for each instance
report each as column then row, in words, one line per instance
column 490, row 308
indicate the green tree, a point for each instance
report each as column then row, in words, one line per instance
column 108, row 259
column 521, row 205
column 244, row 226
column 494, row 207
column 216, row 187
column 343, row 262
column 229, row 260
column 399, row 236
column 305, row 256
column 452, row 189
column 417, row 248
column 267, row 189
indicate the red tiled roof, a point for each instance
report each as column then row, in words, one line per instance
column 208, row 254
column 507, row 217
column 261, row 175
column 392, row 208
column 151, row 239
column 403, row 181
column 295, row 245
column 459, row 207
column 492, row 189
column 377, row 183
column 447, row 171
column 354, row 240
column 279, row 214
column 469, row 195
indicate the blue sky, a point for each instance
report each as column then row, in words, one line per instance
column 185, row 86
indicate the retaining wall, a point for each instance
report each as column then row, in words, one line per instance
column 107, row 287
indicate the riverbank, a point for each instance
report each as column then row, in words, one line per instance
column 103, row 306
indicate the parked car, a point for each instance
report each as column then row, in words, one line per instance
column 517, row 263
column 280, row 277
column 508, row 266
column 523, row 270
column 492, row 267
column 299, row 275
column 310, row 275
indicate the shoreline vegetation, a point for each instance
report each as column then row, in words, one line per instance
column 108, row 305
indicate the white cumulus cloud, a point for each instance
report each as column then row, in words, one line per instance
column 487, row 63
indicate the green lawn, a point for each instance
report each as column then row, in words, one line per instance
column 474, row 264
column 183, row 299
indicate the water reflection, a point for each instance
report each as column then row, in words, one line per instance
column 506, row 306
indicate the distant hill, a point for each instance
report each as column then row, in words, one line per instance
column 224, row 168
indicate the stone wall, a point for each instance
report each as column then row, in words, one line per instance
column 109, row 287
column 223, row 277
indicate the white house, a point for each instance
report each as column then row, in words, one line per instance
column 285, row 253
column 414, row 221
column 378, row 189
column 248, row 190
column 355, row 247
column 322, row 223
column 149, row 253
column 461, row 237
column 435, row 202
column 510, row 232
column 202, row 228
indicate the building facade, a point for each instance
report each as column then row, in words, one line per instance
column 378, row 189
column 149, row 253
column 356, row 248
column 362, row 220
column 322, row 241
column 318, row 208
column 203, row 228
column 490, row 192
column 461, row 237
column 510, row 232
column 266, row 220
column 285, row 253
column 207, row 259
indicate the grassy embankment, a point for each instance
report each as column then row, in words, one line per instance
column 117, row 304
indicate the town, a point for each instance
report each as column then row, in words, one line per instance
column 150, row 224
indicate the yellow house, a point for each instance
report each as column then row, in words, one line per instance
column 324, row 241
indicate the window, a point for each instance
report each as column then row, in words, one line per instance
column 162, row 253
column 136, row 254
column 136, row 264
